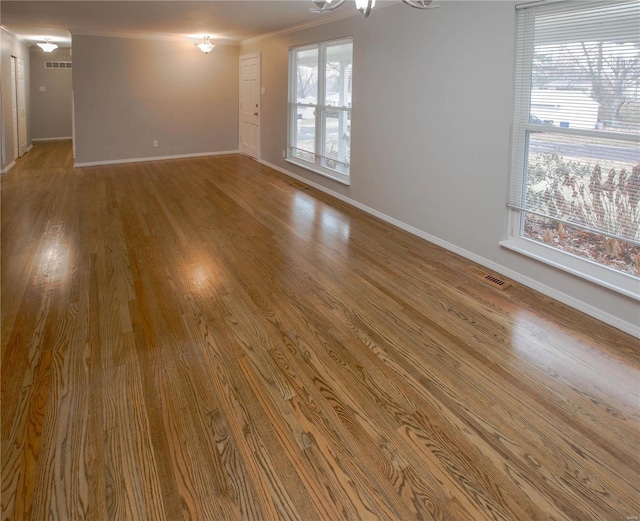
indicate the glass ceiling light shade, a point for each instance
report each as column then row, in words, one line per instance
column 205, row 45
column 365, row 6
column 421, row 4
column 324, row 6
column 47, row 46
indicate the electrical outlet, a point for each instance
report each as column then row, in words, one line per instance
column 155, row 143
column 284, row 154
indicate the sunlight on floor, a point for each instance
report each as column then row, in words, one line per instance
column 579, row 364
column 54, row 261
column 334, row 226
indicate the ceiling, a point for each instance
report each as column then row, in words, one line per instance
column 224, row 20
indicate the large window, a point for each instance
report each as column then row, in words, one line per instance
column 575, row 187
column 320, row 107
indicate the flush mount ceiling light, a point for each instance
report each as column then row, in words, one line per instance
column 205, row 45
column 47, row 46
column 365, row 6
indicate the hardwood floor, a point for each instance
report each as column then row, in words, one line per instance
column 206, row 339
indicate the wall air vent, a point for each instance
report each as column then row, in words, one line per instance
column 495, row 281
column 57, row 65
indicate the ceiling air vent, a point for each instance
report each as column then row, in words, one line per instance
column 495, row 281
column 57, row 65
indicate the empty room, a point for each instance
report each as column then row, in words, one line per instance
column 327, row 260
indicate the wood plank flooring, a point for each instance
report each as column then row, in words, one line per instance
column 207, row 339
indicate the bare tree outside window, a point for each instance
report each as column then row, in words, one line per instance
column 609, row 72
column 307, row 82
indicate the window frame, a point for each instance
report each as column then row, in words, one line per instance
column 584, row 268
column 319, row 165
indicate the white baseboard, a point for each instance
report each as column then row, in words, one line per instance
column 592, row 311
column 45, row 139
column 158, row 158
column 30, row 147
column 8, row 167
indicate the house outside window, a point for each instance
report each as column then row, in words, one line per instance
column 320, row 98
column 575, row 177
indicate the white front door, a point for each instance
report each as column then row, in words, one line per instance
column 250, row 105
column 14, row 108
column 22, row 109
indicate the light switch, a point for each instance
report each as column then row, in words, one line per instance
column 263, row 90
column 42, row 88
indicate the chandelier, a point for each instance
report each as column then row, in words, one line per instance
column 365, row 6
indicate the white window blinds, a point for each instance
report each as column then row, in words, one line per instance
column 576, row 155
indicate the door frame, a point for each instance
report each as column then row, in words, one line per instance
column 257, row 55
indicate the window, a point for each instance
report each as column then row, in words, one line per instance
column 320, row 78
column 575, row 181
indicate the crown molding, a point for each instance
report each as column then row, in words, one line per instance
column 14, row 35
column 323, row 19
column 152, row 37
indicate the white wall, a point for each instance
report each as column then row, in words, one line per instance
column 129, row 92
column 50, row 108
column 11, row 46
column 433, row 105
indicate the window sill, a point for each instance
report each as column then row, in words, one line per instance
column 335, row 176
column 622, row 283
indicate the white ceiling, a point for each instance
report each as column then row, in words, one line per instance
column 226, row 21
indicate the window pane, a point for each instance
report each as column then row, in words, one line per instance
column 588, row 181
column 587, row 84
column 307, row 76
column 319, row 129
column 305, row 130
column 338, row 75
column 337, row 143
